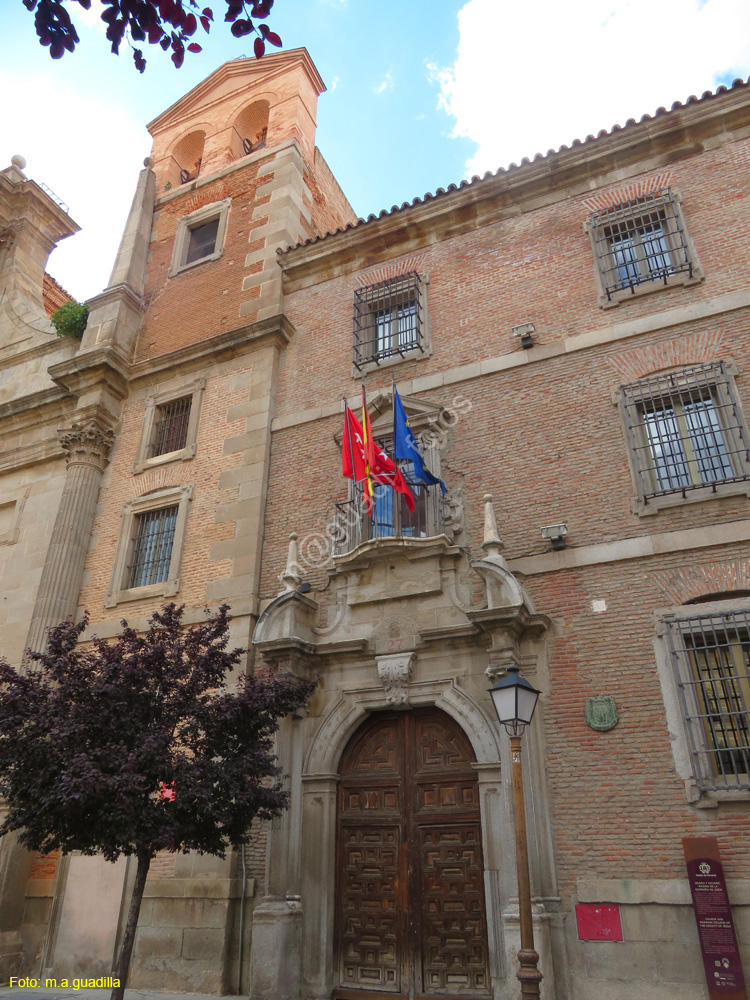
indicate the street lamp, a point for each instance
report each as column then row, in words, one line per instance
column 515, row 700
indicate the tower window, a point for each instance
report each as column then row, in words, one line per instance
column 200, row 236
column 202, row 241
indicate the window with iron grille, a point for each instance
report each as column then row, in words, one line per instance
column 389, row 320
column 685, row 431
column 640, row 245
column 171, row 426
column 152, row 546
column 711, row 660
column 149, row 546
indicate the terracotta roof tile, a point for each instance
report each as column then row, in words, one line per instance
column 54, row 294
column 603, row 134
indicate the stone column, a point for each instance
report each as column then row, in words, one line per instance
column 318, row 854
column 275, row 956
column 87, row 446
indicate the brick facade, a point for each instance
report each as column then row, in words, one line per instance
column 266, row 325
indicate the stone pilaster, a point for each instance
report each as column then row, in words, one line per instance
column 87, row 446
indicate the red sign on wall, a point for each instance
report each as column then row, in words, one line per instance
column 598, row 922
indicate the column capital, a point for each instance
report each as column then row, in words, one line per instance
column 87, row 443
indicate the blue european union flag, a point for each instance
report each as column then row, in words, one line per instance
column 404, row 445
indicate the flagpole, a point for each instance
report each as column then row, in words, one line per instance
column 348, row 432
column 393, row 401
column 368, row 482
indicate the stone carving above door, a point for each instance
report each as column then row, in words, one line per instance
column 395, row 673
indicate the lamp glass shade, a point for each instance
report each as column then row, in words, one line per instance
column 514, row 698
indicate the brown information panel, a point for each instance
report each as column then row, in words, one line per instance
column 721, row 956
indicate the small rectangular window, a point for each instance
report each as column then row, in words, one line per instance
column 685, row 431
column 389, row 320
column 152, row 546
column 711, row 658
column 171, row 428
column 200, row 236
column 202, row 241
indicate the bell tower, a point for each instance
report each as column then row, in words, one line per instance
column 237, row 175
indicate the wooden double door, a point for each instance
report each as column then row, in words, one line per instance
column 410, row 909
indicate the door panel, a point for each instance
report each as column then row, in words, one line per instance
column 410, row 893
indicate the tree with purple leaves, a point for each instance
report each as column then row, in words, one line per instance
column 136, row 745
column 168, row 23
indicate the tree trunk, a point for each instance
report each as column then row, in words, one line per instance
column 128, row 940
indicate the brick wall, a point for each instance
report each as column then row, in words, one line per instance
column 544, row 436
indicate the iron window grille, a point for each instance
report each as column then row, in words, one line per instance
column 388, row 319
column 172, row 422
column 152, row 546
column 639, row 241
column 711, row 658
column 685, row 431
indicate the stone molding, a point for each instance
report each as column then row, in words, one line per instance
column 88, row 443
column 346, row 713
column 276, row 329
column 395, row 673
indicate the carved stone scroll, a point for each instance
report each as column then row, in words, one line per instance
column 395, row 673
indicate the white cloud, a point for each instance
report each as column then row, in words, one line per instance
column 67, row 153
column 334, row 84
column 387, row 84
column 530, row 77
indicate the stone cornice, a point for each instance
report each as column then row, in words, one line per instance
column 253, row 71
column 88, row 370
column 394, row 547
column 50, row 346
column 569, row 172
column 27, row 410
column 519, row 620
column 58, row 224
column 275, row 330
column 116, row 293
column 266, row 153
column 30, row 454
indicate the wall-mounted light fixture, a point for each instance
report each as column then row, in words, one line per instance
column 525, row 333
column 556, row 534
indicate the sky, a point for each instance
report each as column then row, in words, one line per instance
column 420, row 93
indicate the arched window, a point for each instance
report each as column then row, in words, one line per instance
column 250, row 129
column 187, row 156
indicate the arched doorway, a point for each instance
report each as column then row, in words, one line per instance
column 410, row 910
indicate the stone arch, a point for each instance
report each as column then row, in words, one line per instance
column 249, row 129
column 347, row 713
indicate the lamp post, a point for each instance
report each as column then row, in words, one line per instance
column 515, row 700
